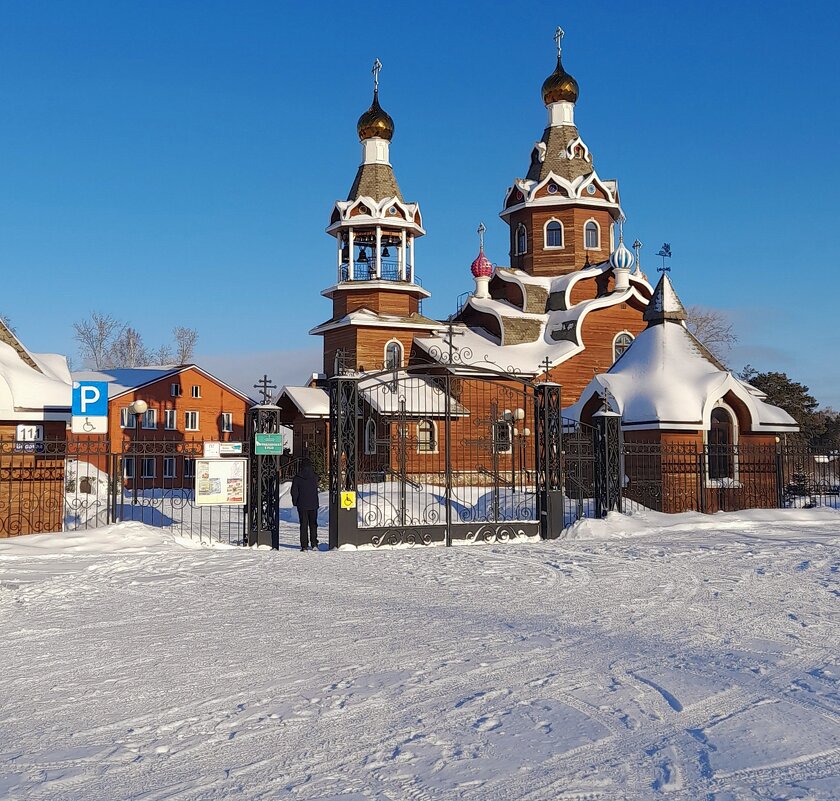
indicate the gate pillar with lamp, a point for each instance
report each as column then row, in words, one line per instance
column 608, row 474
column 548, row 426
column 264, row 496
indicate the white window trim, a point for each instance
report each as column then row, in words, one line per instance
column 128, row 467
column 195, row 391
column 561, row 246
column 615, row 339
column 385, row 352
column 598, row 228
column 197, row 421
column 170, row 460
column 166, row 414
column 434, row 436
column 733, row 481
column 227, row 417
column 153, row 414
column 189, row 467
column 370, row 441
column 175, row 390
column 144, row 461
column 516, row 250
column 125, row 414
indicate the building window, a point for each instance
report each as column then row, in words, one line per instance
column 227, row 422
column 150, row 418
column 521, row 240
column 169, row 467
column 170, row 419
column 591, row 235
column 191, row 421
column 501, row 437
column 554, row 234
column 195, row 392
column 621, row 343
column 128, row 467
column 370, row 437
column 147, row 467
column 426, row 437
column 721, row 440
column 175, row 390
column 393, row 355
column 189, row 467
column 127, row 419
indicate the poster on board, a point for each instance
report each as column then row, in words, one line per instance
column 221, row 482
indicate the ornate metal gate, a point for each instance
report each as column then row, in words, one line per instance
column 425, row 455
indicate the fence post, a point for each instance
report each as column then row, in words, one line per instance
column 607, row 462
column 344, row 408
column 780, row 477
column 548, row 428
column 264, row 496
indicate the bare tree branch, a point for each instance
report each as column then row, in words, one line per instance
column 96, row 336
column 185, row 341
column 713, row 328
column 128, row 350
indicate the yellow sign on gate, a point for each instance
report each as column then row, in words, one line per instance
column 348, row 500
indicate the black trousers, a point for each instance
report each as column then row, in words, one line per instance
column 308, row 521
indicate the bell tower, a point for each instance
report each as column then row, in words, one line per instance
column 376, row 296
column 561, row 214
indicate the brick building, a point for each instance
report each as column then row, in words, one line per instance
column 185, row 404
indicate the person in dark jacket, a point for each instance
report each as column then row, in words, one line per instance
column 305, row 498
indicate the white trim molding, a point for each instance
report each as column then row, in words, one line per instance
column 562, row 244
column 598, row 228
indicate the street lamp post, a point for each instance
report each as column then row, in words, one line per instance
column 138, row 408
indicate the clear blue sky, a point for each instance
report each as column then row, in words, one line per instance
column 176, row 162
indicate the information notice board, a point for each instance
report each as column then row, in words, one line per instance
column 221, row 482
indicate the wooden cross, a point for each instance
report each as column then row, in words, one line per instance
column 265, row 386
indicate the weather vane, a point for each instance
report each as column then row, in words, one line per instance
column 481, row 230
column 665, row 252
column 377, row 67
column 558, row 38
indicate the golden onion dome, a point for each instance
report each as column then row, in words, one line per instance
column 559, row 86
column 375, row 121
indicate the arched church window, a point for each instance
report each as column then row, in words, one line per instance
column 721, row 442
column 554, row 234
column 370, row 437
column 393, row 355
column 591, row 235
column 426, row 437
column 621, row 343
column 521, row 240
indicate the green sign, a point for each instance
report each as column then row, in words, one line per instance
column 268, row 444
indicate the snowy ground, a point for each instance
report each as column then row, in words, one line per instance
column 681, row 657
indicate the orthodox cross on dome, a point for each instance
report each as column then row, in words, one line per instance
column 558, row 39
column 665, row 252
column 637, row 246
column 265, row 386
column 377, row 68
column 481, row 229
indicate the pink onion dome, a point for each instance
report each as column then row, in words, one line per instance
column 481, row 267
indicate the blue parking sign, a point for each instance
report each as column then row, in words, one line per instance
column 90, row 398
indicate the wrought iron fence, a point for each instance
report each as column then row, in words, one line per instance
column 59, row 485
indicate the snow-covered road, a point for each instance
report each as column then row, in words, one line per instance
column 681, row 657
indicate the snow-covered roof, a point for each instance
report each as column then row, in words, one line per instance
column 310, row 401
column 39, row 392
column 125, row 379
column 128, row 379
column 423, row 398
column 665, row 380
